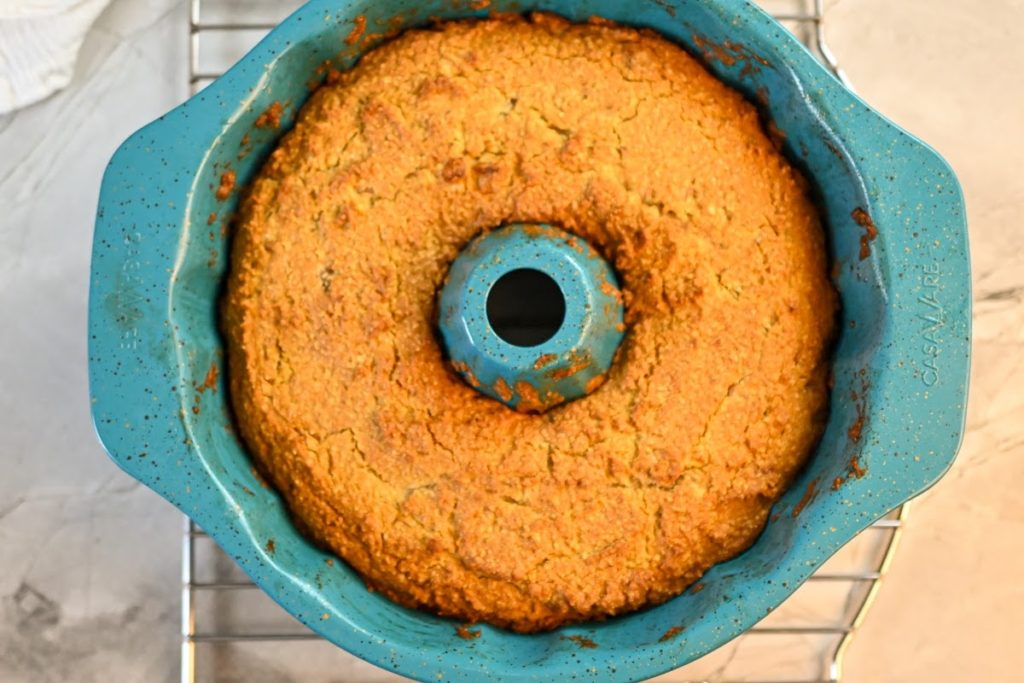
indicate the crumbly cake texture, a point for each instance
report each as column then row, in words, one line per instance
column 447, row 500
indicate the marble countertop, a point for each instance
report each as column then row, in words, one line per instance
column 90, row 561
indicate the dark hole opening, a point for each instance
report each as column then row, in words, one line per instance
column 525, row 307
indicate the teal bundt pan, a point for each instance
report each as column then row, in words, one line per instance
column 904, row 347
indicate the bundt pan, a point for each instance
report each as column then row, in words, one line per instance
column 898, row 238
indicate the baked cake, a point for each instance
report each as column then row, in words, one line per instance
column 442, row 498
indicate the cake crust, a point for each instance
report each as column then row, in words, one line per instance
column 442, row 498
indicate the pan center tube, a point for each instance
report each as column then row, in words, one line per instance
column 532, row 316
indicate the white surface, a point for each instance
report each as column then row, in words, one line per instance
column 89, row 561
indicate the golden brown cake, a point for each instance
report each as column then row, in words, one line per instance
column 447, row 500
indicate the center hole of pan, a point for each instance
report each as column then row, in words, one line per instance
column 525, row 307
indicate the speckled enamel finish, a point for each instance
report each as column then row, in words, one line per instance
column 560, row 369
column 904, row 348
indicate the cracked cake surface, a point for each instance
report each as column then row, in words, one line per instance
column 440, row 497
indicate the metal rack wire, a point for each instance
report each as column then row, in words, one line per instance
column 815, row 626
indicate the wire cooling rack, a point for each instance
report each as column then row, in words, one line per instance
column 232, row 632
